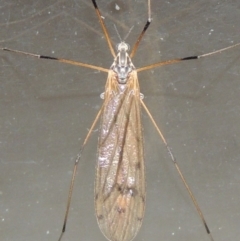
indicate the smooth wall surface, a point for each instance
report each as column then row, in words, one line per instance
column 48, row 107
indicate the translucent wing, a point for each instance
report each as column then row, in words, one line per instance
column 120, row 182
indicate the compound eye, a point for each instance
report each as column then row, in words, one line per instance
column 117, row 47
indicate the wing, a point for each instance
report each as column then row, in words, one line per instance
column 120, row 180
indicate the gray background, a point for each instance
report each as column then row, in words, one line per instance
column 47, row 108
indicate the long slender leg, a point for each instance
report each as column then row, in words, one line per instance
column 151, row 66
column 179, row 172
column 104, row 28
column 134, row 49
column 67, row 61
column 75, row 170
column 174, row 61
column 71, row 61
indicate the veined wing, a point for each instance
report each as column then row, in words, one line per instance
column 120, row 180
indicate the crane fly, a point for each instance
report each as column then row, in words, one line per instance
column 120, row 179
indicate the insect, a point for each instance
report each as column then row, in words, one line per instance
column 120, row 180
